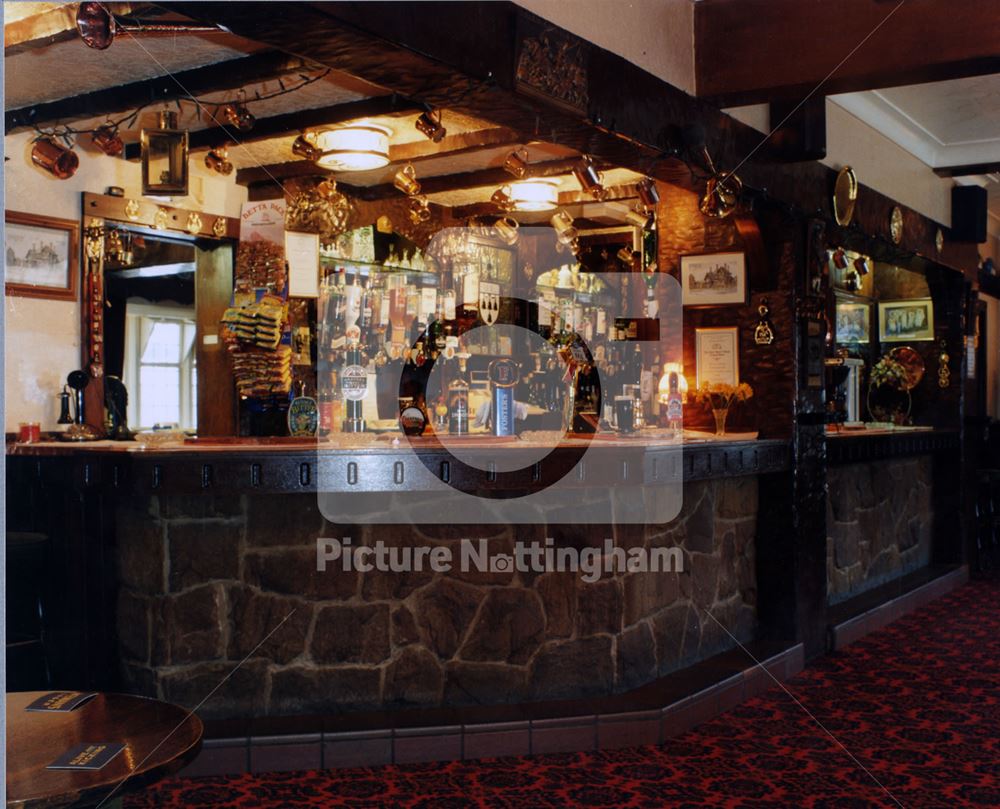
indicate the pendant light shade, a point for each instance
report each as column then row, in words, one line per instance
column 534, row 195
column 361, row 147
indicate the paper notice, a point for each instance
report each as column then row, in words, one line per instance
column 302, row 254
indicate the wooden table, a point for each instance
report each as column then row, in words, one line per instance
column 36, row 739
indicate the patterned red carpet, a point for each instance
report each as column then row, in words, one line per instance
column 918, row 705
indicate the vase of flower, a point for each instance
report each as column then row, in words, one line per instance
column 889, row 397
column 720, row 397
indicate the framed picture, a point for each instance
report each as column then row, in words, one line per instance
column 716, row 279
column 853, row 323
column 717, row 356
column 906, row 321
column 41, row 256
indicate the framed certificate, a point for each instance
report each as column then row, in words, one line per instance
column 717, row 356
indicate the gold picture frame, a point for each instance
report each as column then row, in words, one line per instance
column 906, row 321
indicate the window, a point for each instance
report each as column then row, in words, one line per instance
column 160, row 368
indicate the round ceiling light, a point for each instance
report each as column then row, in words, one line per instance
column 534, row 195
column 360, row 147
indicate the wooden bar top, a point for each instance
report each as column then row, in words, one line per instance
column 374, row 442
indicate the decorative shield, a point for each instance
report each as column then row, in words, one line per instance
column 489, row 302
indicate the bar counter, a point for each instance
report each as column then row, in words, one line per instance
column 391, row 462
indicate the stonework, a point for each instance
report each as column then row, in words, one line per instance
column 879, row 523
column 205, row 580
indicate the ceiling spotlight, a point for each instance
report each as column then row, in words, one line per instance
column 648, row 193
column 359, row 147
column 406, row 181
column 516, row 163
column 303, row 147
column 431, row 128
column 107, row 139
column 238, row 115
column 533, row 195
column 217, row 160
column 862, row 266
column 589, row 177
column 640, row 218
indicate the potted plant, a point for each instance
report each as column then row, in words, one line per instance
column 720, row 396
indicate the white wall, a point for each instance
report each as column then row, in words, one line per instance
column 656, row 35
column 42, row 338
column 878, row 162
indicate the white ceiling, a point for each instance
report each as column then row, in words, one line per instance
column 945, row 123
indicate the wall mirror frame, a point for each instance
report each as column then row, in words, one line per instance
column 213, row 288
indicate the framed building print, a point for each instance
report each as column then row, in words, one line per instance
column 716, row 279
column 41, row 256
column 906, row 321
column 853, row 321
column 717, row 356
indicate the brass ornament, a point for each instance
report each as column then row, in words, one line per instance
column 845, row 194
column 939, row 240
column 944, row 372
column 554, row 66
column 133, row 209
column 763, row 334
column 219, row 226
column 722, row 194
column 161, row 219
column 317, row 208
column 896, row 225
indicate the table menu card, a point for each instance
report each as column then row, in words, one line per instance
column 61, row 701
column 91, row 756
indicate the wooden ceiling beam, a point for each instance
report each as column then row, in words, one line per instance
column 500, row 61
column 291, row 122
column 614, row 193
column 756, row 51
column 227, row 75
column 482, row 178
column 968, row 169
column 420, row 151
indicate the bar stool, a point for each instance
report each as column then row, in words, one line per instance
column 27, row 658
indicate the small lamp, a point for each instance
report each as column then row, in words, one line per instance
column 663, row 389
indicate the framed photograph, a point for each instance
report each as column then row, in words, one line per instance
column 41, row 256
column 716, row 279
column 717, row 356
column 853, row 324
column 906, row 321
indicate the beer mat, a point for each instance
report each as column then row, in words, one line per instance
column 61, row 701
column 88, row 756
